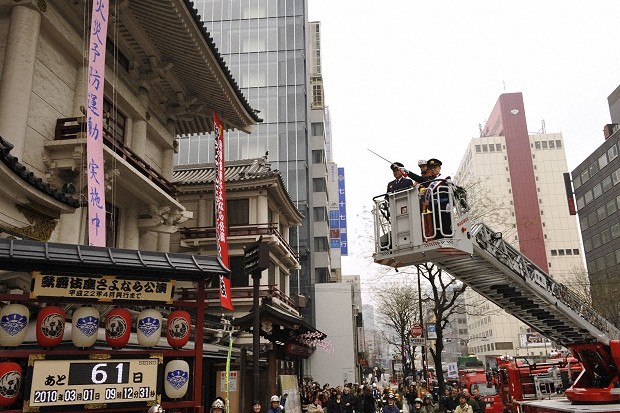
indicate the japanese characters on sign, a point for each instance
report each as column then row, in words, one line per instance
column 221, row 222
column 101, row 289
column 342, row 207
column 94, row 123
column 99, row 380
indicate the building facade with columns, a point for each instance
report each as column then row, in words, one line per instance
column 164, row 77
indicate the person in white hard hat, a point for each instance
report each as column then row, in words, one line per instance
column 156, row 409
column 218, row 406
column 274, row 406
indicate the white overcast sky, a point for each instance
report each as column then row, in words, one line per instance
column 413, row 79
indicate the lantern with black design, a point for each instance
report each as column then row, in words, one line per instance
column 50, row 326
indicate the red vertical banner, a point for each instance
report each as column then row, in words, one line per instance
column 221, row 220
column 94, row 122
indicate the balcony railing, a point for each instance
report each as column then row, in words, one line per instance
column 239, row 231
column 264, row 291
column 72, row 128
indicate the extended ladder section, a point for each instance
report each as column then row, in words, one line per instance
column 407, row 235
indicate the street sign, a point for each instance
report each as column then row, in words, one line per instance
column 416, row 330
column 431, row 333
column 418, row 341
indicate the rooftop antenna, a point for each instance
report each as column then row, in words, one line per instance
column 480, row 129
column 504, row 83
column 543, row 127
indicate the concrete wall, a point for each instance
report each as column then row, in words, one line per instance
column 334, row 317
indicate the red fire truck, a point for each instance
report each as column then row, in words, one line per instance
column 479, row 257
column 485, row 383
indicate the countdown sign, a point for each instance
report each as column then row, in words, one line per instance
column 96, row 382
column 102, row 289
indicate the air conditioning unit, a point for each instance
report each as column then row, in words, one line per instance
column 300, row 300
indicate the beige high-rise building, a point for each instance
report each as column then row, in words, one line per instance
column 516, row 185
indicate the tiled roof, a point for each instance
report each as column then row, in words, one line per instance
column 179, row 37
column 234, row 171
column 27, row 255
column 29, row 177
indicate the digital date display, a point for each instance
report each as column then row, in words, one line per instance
column 81, row 383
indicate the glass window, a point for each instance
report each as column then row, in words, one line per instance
column 607, row 184
column 587, row 245
column 611, row 207
column 317, row 156
column 477, row 148
column 317, row 128
column 561, row 251
column 318, row 185
column 575, row 251
column 584, row 223
column 601, row 213
column 592, row 219
column 602, row 161
column 491, row 148
column 610, row 260
column 558, row 143
column 498, row 147
column 612, row 153
column 600, row 264
column 615, row 176
column 577, row 181
column 580, row 202
column 591, row 267
column 585, row 175
column 606, row 236
column 596, row 241
column 615, row 231
column 552, row 144
column 588, row 197
column 320, row 244
column 569, row 251
column 485, row 148
column 554, row 253
column 537, row 145
column 593, row 169
column 544, row 144
column 320, row 214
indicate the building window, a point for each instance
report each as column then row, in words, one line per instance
column 111, row 224
column 537, row 145
column 114, row 123
column 558, row 143
column 575, row 251
column 320, row 244
column 607, row 184
column 569, row 251
column 612, row 153
column 498, row 147
column 593, row 169
column 602, row 161
column 615, row 176
column 477, row 148
column 585, row 175
column 320, row 214
column 317, row 128
column 611, row 207
column 544, row 144
column 577, row 181
column 321, row 275
column 584, row 223
column 615, row 231
column 554, row 253
column 597, row 191
column 485, row 148
column 318, row 185
column 588, row 197
column 238, row 211
column 317, row 156
column 552, row 144
column 317, row 95
column 601, row 213
column 561, row 252
column 491, row 148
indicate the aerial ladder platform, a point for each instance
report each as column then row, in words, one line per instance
column 433, row 225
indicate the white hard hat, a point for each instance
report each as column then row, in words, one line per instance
column 275, row 398
column 218, row 404
column 156, row 409
column 422, row 162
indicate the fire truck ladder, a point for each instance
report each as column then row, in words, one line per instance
column 497, row 271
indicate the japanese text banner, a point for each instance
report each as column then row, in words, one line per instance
column 94, row 122
column 221, row 221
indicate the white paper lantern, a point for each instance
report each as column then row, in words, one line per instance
column 85, row 326
column 13, row 322
column 148, row 327
column 176, row 378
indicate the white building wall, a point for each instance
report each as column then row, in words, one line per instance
column 485, row 173
column 334, row 317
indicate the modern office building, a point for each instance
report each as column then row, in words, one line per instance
column 265, row 44
column 516, row 185
column 597, row 192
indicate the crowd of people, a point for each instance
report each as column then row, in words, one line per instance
column 371, row 398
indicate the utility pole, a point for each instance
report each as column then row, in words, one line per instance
column 255, row 261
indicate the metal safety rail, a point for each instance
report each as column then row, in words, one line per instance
column 503, row 275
